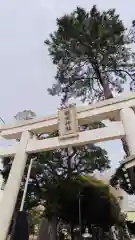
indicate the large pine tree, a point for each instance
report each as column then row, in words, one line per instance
column 91, row 50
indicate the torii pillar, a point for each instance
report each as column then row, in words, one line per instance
column 127, row 117
column 8, row 201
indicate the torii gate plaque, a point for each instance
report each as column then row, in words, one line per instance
column 67, row 122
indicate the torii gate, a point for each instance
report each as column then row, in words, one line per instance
column 66, row 121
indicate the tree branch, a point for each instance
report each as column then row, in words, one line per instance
column 121, row 70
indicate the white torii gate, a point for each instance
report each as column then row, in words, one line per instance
column 66, row 121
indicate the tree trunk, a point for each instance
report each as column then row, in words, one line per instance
column 107, row 92
column 43, row 230
column 53, row 229
column 48, row 229
column 72, row 232
column 69, row 164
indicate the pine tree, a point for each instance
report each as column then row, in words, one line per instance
column 91, row 51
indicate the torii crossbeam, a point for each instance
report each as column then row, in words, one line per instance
column 67, row 120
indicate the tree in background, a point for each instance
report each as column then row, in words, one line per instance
column 25, row 115
column 98, row 205
column 92, row 53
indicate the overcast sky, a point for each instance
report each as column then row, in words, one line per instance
column 26, row 70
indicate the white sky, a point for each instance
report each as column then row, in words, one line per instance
column 26, row 70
